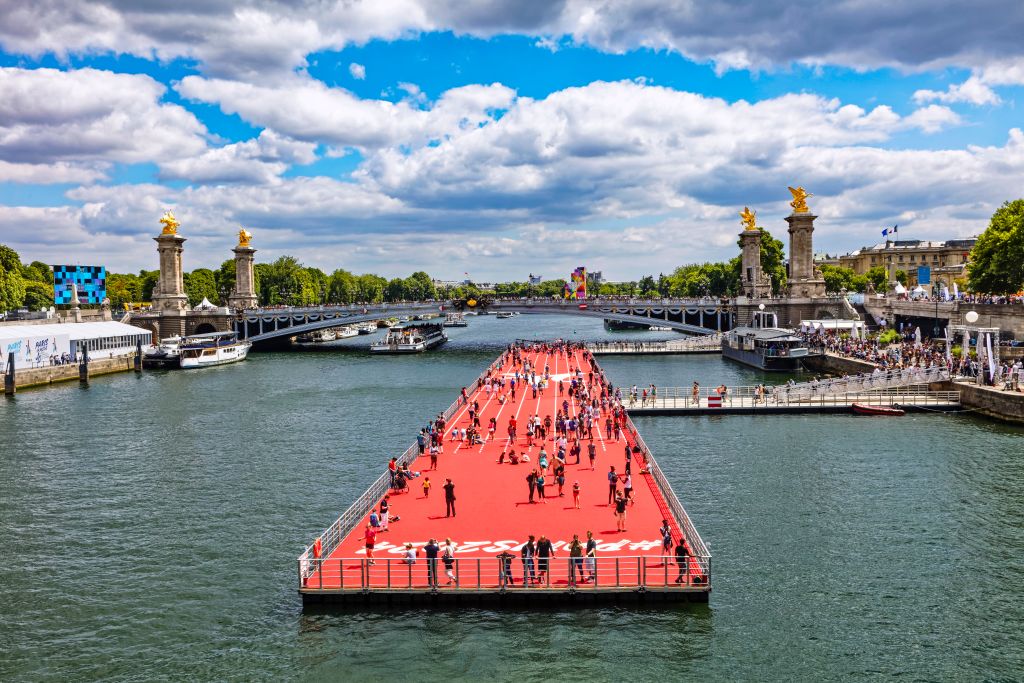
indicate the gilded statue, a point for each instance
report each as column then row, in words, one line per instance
column 170, row 223
column 749, row 219
column 799, row 202
column 243, row 237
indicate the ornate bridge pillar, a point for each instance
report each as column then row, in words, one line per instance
column 804, row 279
column 169, row 298
column 752, row 280
column 244, row 294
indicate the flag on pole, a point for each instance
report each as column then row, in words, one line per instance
column 890, row 231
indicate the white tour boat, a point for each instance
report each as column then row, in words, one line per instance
column 455, row 320
column 345, row 332
column 367, row 328
column 413, row 338
column 317, row 336
column 213, row 348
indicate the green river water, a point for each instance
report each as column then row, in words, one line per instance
column 149, row 527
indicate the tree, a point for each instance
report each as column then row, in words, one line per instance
column 370, row 288
column 901, row 276
column 877, row 277
column 996, row 265
column 38, row 295
column 420, row 286
column 147, row 283
column 396, row 290
column 200, row 284
column 225, row 278
column 12, row 284
column 123, row 288
column 341, row 287
column 647, row 286
column 838, row 278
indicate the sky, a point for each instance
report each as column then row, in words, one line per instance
column 500, row 138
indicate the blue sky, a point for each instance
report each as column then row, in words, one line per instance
column 500, row 138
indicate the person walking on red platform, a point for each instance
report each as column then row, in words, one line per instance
column 666, row 537
column 531, row 481
column 370, row 539
column 620, row 512
column 449, row 498
column 613, row 484
column 576, row 494
column 435, row 450
column 426, row 487
column 540, row 487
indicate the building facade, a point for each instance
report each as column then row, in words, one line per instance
column 946, row 260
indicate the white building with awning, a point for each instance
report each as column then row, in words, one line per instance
column 34, row 345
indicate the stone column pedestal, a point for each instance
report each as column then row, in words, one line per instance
column 804, row 279
column 752, row 280
column 169, row 294
column 244, row 294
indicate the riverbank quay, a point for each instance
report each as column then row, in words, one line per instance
column 707, row 344
column 54, row 374
column 997, row 404
column 500, row 512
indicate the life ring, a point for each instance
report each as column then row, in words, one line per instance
column 317, row 548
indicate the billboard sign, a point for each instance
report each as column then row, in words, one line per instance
column 32, row 352
column 576, row 287
column 924, row 275
column 91, row 282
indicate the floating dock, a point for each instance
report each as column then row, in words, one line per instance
column 493, row 514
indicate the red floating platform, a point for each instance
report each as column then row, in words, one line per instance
column 493, row 513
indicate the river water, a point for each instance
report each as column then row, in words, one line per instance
column 149, row 527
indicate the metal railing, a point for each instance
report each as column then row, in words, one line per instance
column 693, row 539
column 909, row 395
column 495, row 574
column 333, row 535
column 710, row 342
column 867, row 382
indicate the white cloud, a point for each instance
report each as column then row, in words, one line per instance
column 260, row 160
column 75, row 123
column 358, row 71
column 971, row 91
column 259, row 39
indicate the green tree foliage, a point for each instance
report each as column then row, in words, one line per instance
column 550, row 288
column 877, row 277
column 396, row 290
column 123, row 288
column 147, row 283
column 420, row 286
column 647, row 286
column 888, row 337
column 901, row 276
column 225, row 278
column 200, row 284
column 705, row 279
column 341, row 287
column 996, row 265
column 12, row 283
column 38, row 295
column 370, row 288
column 838, row 278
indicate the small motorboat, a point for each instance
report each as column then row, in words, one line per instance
column 866, row 409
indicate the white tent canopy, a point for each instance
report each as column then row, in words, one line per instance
column 204, row 305
column 840, row 325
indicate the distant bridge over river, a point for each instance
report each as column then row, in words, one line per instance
column 690, row 316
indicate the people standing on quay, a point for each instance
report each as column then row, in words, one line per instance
column 449, row 498
column 505, row 577
column 666, row 537
column 696, row 394
column 431, row 551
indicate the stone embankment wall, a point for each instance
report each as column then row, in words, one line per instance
column 837, row 365
column 63, row 373
column 1007, row 406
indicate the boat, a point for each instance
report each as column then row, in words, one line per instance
column 213, row 348
column 163, row 355
column 764, row 347
column 317, row 337
column 866, row 409
column 413, row 338
column 455, row 320
column 367, row 328
column 504, row 316
column 345, row 333
column 623, row 326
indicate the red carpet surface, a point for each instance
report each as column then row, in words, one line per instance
column 492, row 508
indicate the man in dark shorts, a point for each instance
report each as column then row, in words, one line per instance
column 613, row 484
column 592, row 453
column 449, row 498
column 683, row 560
